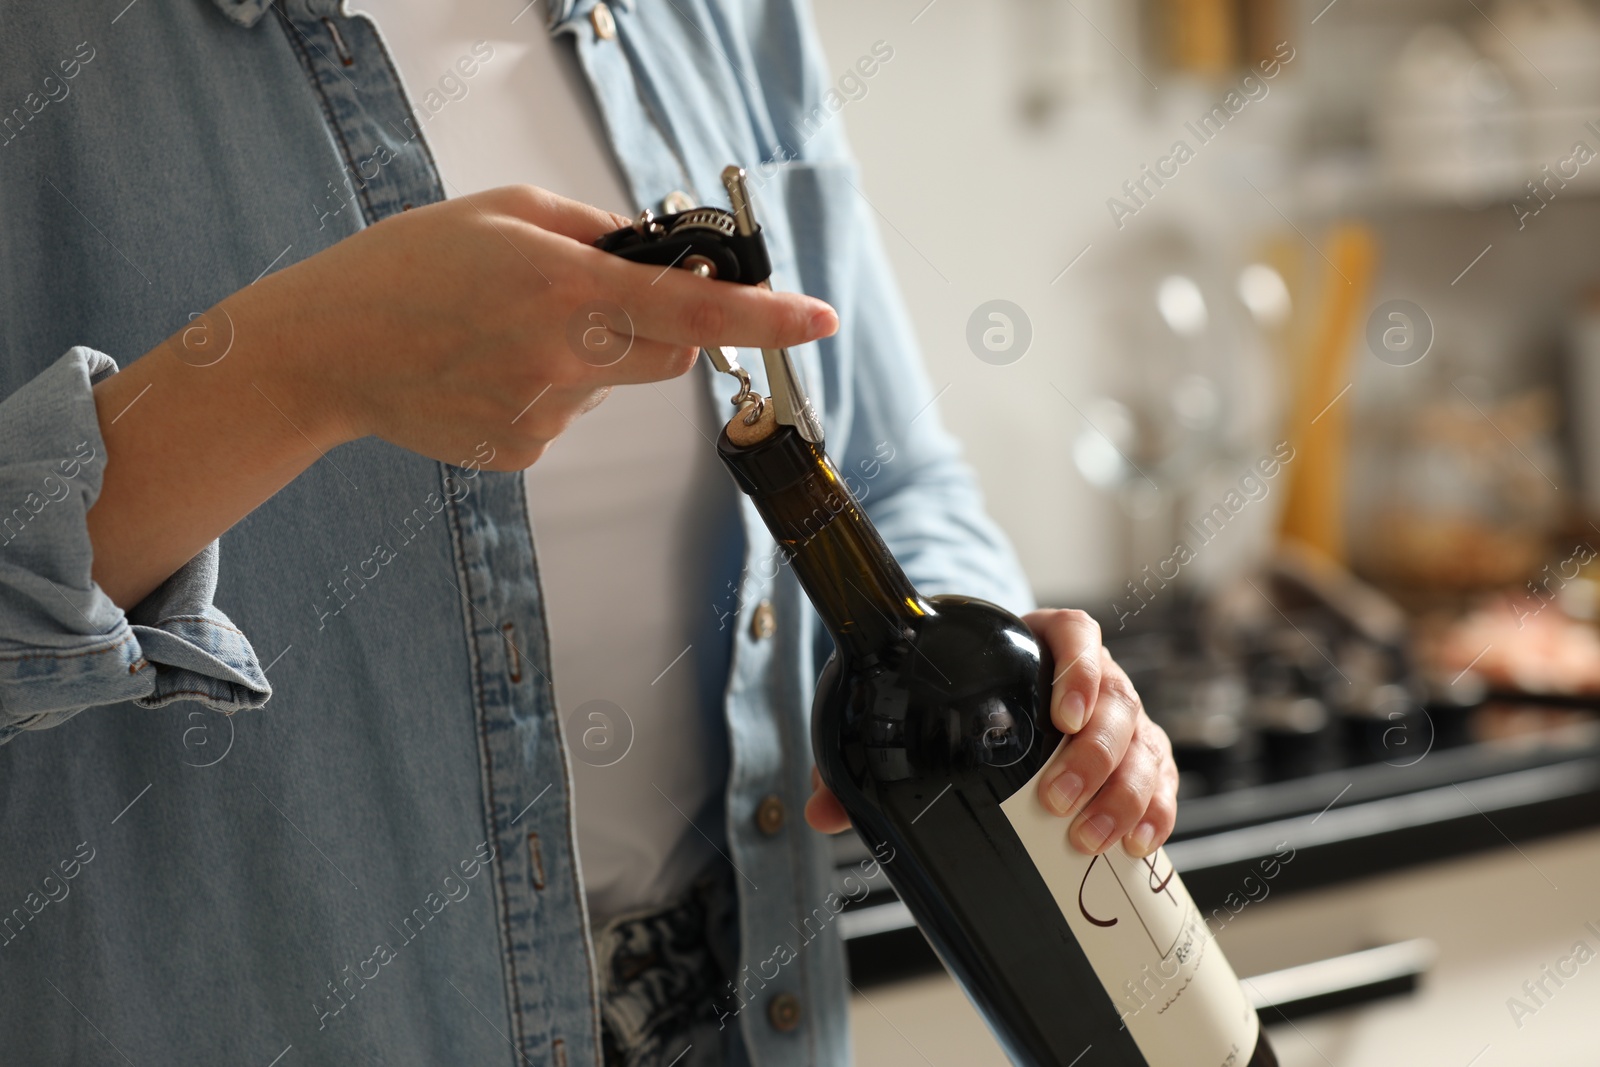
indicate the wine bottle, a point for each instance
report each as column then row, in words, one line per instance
column 932, row 724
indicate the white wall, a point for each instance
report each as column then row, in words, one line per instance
column 975, row 204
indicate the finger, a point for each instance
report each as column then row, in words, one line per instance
column 664, row 304
column 675, row 306
column 1088, row 758
column 1152, row 831
column 823, row 810
column 1117, row 808
column 607, row 349
column 825, row 814
column 1073, row 638
column 553, row 411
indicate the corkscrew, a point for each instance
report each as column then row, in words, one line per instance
column 727, row 245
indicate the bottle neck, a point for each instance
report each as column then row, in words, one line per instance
column 863, row 597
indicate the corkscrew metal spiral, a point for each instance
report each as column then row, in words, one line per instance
column 726, row 360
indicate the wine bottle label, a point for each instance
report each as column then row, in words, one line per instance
column 1147, row 942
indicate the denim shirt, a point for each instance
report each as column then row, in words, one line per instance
column 376, row 864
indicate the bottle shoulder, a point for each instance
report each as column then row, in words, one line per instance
column 966, row 695
column 960, row 643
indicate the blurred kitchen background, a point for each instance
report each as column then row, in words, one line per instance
column 1307, row 412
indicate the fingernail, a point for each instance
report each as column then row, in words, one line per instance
column 823, row 321
column 1139, row 841
column 1063, row 792
column 1093, row 832
column 1072, row 711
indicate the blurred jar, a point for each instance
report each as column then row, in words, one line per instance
column 1446, row 120
column 1462, row 495
column 1550, row 50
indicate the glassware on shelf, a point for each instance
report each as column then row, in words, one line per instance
column 1445, row 120
column 1192, row 384
column 1550, row 51
column 1461, row 493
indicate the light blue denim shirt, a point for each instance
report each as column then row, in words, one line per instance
column 377, row 865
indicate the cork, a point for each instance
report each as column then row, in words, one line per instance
column 744, row 436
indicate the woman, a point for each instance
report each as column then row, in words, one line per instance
column 344, row 372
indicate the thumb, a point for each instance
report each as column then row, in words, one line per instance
column 823, row 810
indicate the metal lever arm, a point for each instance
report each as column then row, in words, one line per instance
column 790, row 404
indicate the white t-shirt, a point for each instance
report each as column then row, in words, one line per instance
column 623, row 503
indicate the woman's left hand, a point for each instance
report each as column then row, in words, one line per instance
column 1114, row 775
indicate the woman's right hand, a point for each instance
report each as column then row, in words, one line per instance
column 437, row 329
column 456, row 326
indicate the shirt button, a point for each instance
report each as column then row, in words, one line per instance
column 769, row 814
column 783, row 1012
column 676, row 201
column 605, row 27
column 763, row 621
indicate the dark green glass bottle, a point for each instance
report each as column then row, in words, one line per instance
column 931, row 724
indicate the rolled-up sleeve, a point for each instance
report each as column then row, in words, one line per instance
column 64, row 646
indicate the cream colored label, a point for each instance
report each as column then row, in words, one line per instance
column 1147, row 942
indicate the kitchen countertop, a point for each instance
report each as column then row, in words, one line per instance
column 1498, row 918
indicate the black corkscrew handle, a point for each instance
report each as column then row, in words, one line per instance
column 704, row 240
